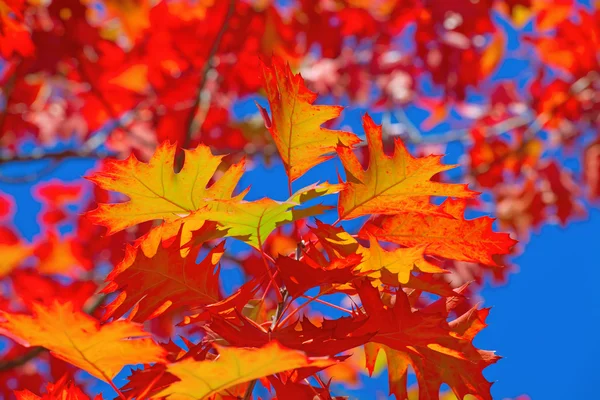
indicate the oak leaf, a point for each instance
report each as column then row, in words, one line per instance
column 156, row 192
column 253, row 221
column 296, row 121
column 61, row 390
column 390, row 184
column 327, row 338
column 438, row 351
column 452, row 237
column 200, row 379
column 14, row 251
column 78, row 339
column 164, row 281
column 375, row 260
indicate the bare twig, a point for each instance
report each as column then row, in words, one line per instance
column 198, row 113
column 281, row 306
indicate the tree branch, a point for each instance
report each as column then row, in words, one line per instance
column 198, row 113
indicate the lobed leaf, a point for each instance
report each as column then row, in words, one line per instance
column 391, row 184
column 79, row 339
column 200, row 379
column 156, row 192
column 452, row 237
column 296, row 122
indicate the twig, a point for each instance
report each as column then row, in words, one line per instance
column 197, row 113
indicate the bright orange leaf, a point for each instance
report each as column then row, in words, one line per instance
column 295, row 122
column 390, row 184
column 452, row 237
column 438, row 351
column 163, row 281
column 338, row 243
column 79, row 339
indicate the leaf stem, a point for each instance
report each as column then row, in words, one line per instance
column 328, row 304
column 305, row 304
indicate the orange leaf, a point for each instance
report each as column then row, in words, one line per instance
column 79, row 339
column 62, row 390
column 13, row 251
column 390, row 184
column 451, row 237
column 200, row 379
column 296, row 122
column 374, row 259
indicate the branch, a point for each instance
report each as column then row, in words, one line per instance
column 38, row 155
column 198, row 113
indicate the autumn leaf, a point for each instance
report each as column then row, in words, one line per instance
column 156, row 192
column 318, row 339
column 299, row 276
column 296, row 122
column 79, row 339
column 390, row 184
column 200, row 379
column 253, row 221
column 164, row 281
column 62, row 390
column 490, row 59
column 134, row 78
column 374, row 259
column 452, row 237
column 133, row 16
column 13, row 250
column 438, row 351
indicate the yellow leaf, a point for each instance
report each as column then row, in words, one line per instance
column 252, row 222
column 390, row 184
column 200, row 379
column 399, row 261
column 12, row 256
column 296, row 122
column 133, row 15
column 79, row 339
column 156, row 192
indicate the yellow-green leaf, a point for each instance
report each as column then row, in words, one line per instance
column 156, row 192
